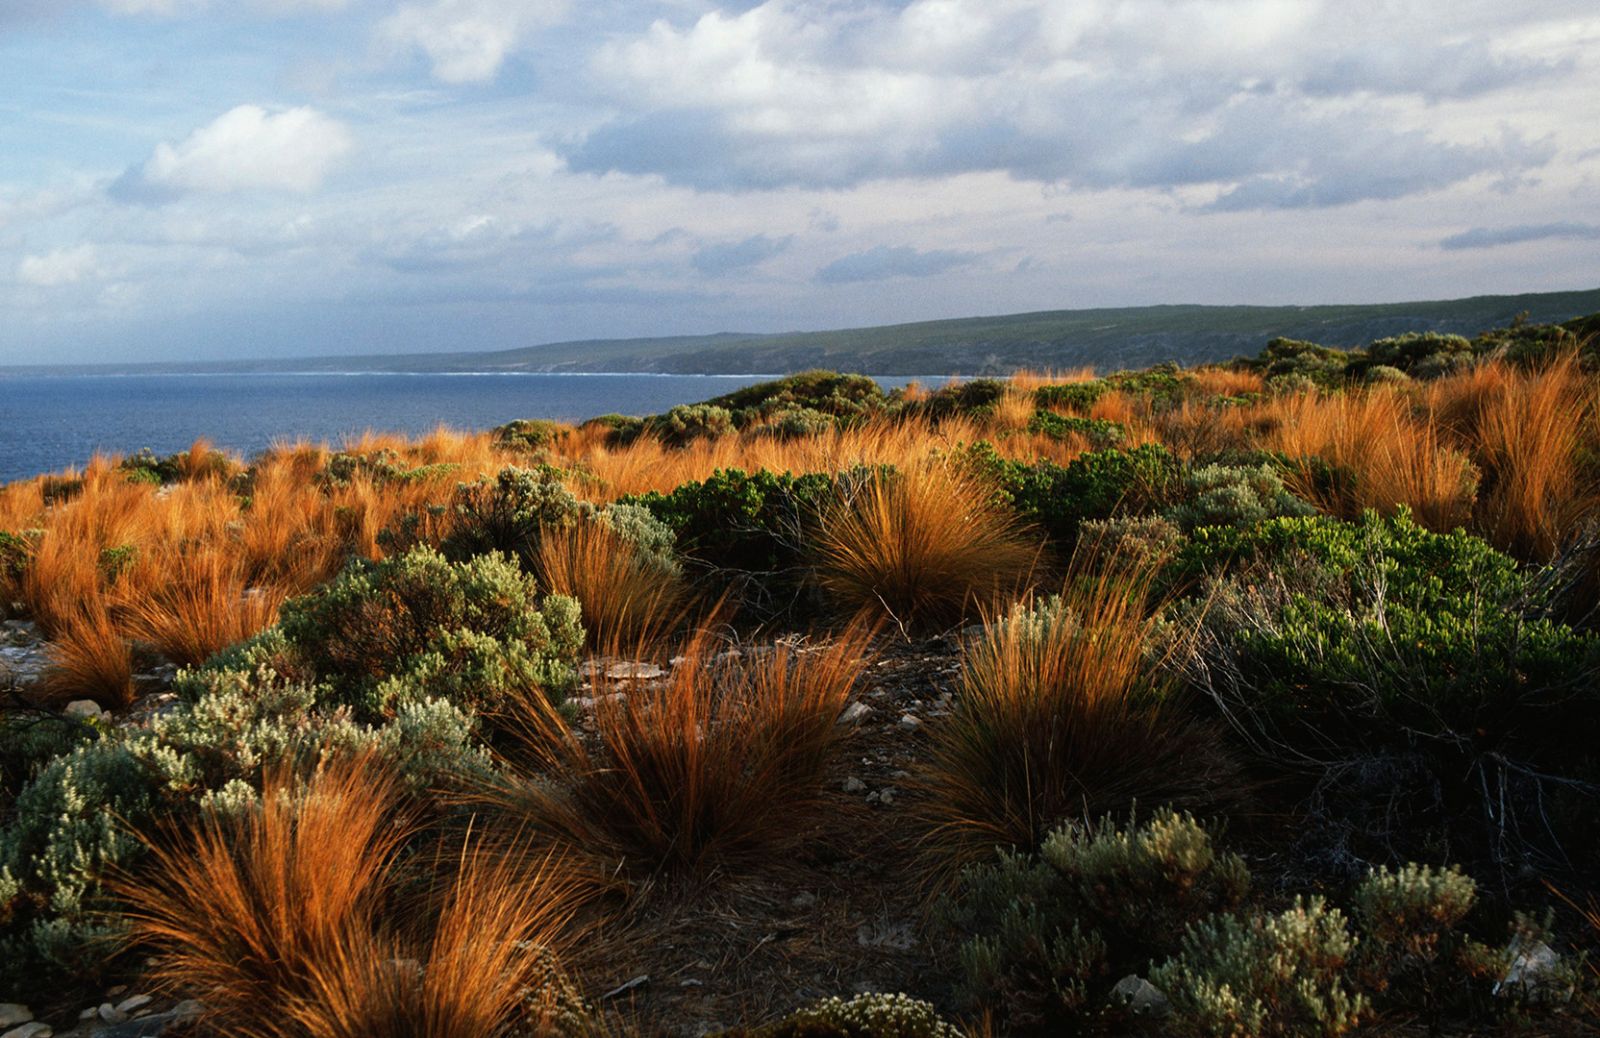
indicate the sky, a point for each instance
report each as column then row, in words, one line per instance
column 206, row 179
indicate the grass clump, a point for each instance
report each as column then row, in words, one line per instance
column 921, row 547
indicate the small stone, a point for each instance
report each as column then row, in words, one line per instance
column 111, row 1014
column 12, row 1014
column 854, row 713
column 36, row 1029
column 854, row 785
column 642, row 980
column 134, row 1003
column 83, row 709
column 804, row 899
column 114, row 991
column 633, row 671
column 1140, row 997
column 89, row 1014
column 910, row 722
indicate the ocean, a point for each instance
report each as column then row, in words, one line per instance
column 50, row 422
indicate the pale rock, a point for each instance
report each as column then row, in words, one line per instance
column 854, row 713
column 35, row 1029
column 12, row 1014
column 83, row 709
column 629, row 670
column 134, row 1003
column 111, row 1014
column 854, row 785
column 910, row 722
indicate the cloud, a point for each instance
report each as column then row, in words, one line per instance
column 1271, row 103
column 247, row 148
column 1489, row 237
column 727, row 257
column 891, row 261
column 466, row 41
column 65, row 266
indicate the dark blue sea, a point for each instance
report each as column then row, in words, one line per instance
column 48, row 422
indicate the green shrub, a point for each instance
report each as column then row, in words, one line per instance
column 1259, row 976
column 814, row 399
column 31, row 740
column 1423, row 354
column 1414, row 952
column 1233, row 495
column 1099, row 433
column 689, row 422
column 794, row 423
column 1071, row 396
column 16, row 554
column 1095, row 485
column 1048, row 933
column 976, row 398
column 1293, row 359
column 383, row 633
column 74, row 823
column 506, row 514
column 526, row 434
column 1415, row 673
column 379, row 467
column 864, row 1016
column 620, row 429
column 735, row 520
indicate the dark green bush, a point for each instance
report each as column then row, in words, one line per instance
column 1232, row 495
column 1423, row 354
column 741, row 521
column 974, row 399
column 825, row 395
column 1072, row 396
column 379, row 467
column 1419, row 676
column 16, row 553
column 620, row 429
column 384, row 633
column 1099, row 433
column 1095, row 485
column 526, row 434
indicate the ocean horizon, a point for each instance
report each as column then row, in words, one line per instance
column 53, row 422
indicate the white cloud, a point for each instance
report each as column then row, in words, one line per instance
column 1099, row 93
column 171, row 7
column 64, row 266
column 466, row 41
column 247, row 148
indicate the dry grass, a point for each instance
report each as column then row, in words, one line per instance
column 1529, row 432
column 284, row 920
column 1382, row 455
column 628, row 596
column 1065, row 718
column 718, row 764
column 90, row 659
column 1226, row 381
column 200, row 604
column 922, row 547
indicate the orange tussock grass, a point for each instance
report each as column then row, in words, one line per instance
column 201, row 605
column 1528, row 431
column 1014, row 409
column 1211, row 381
column 1030, row 381
column 720, row 763
column 89, row 659
column 1066, row 717
column 279, row 918
column 922, row 547
column 1383, row 455
column 628, row 597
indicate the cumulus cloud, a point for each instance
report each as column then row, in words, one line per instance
column 1250, row 97
column 1489, row 237
column 891, row 261
column 247, row 148
column 726, row 257
column 466, row 41
column 64, row 266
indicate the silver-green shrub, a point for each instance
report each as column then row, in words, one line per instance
column 1261, row 976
